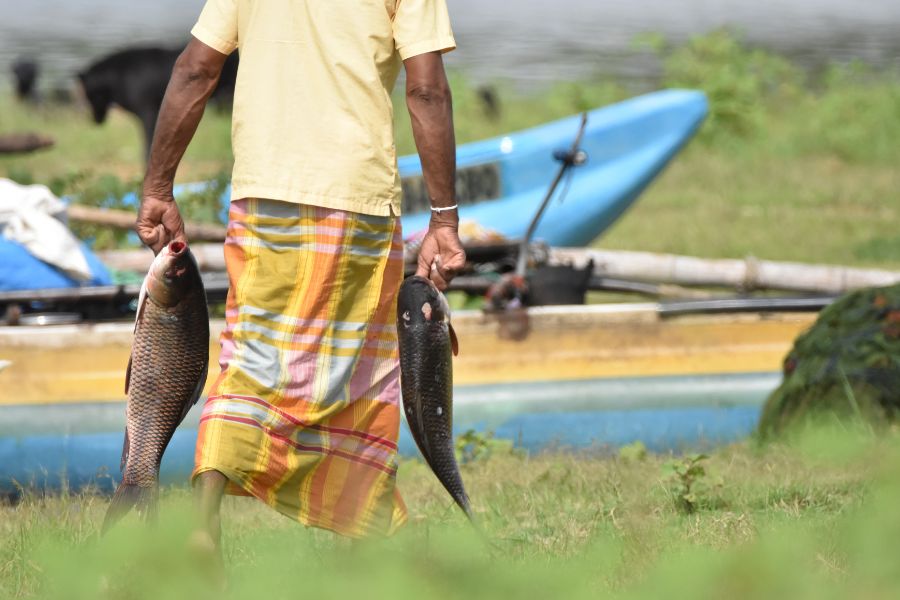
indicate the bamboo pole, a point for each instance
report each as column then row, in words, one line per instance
column 610, row 265
column 123, row 219
column 747, row 274
column 210, row 257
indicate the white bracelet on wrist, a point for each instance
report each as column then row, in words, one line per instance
column 440, row 209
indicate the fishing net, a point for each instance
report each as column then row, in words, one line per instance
column 846, row 365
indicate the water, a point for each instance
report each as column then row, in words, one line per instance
column 531, row 42
column 41, row 443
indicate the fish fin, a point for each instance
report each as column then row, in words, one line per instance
column 128, row 375
column 126, row 497
column 142, row 302
column 125, row 448
column 418, row 430
column 454, row 341
column 197, row 392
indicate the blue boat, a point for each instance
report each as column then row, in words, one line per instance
column 501, row 182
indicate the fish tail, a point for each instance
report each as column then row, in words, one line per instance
column 127, row 497
column 463, row 503
column 476, row 526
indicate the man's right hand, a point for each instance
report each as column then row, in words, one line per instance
column 194, row 78
column 159, row 222
column 441, row 256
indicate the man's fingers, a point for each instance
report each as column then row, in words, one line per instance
column 451, row 267
column 160, row 239
column 438, row 279
column 446, row 273
column 154, row 238
column 147, row 233
column 173, row 222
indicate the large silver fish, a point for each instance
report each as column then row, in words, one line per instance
column 427, row 343
column 166, row 373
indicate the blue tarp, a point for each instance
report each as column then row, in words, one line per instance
column 19, row 270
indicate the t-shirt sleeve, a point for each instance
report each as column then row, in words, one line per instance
column 217, row 26
column 422, row 26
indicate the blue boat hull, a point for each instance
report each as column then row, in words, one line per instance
column 81, row 444
column 627, row 143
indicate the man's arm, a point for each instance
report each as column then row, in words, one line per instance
column 431, row 110
column 193, row 80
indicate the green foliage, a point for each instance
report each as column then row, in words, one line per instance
column 878, row 249
column 688, row 475
column 472, row 446
column 741, row 83
column 851, row 113
column 20, row 174
column 793, row 523
column 845, row 367
column 105, row 191
column 204, row 204
column 474, row 120
column 635, row 451
column 855, row 117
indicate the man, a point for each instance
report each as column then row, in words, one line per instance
column 304, row 415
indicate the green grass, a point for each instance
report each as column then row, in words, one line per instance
column 815, row 518
column 785, row 168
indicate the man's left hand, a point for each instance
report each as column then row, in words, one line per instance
column 441, row 256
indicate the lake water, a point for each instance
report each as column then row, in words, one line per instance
column 531, row 42
column 40, row 443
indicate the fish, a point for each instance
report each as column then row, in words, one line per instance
column 165, row 375
column 427, row 346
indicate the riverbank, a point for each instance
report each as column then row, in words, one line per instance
column 811, row 519
column 785, row 168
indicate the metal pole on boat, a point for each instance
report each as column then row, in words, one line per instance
column 569, row 158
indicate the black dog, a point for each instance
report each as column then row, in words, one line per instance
column 135, row 80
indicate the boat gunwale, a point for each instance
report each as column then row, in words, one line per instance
column 120, row 332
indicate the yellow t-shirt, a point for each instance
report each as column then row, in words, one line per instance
column 313, row 119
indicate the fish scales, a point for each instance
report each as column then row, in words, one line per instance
column 170, row 353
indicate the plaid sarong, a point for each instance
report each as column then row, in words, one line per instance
column 305, row 413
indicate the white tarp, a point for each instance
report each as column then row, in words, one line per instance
column 32, row 216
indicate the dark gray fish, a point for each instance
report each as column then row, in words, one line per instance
column 427, row 343
column 166, row 373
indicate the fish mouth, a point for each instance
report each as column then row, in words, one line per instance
column 424, row 286
column 175, row 251
column 422, row 296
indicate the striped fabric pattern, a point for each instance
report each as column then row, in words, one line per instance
column 305, row 413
